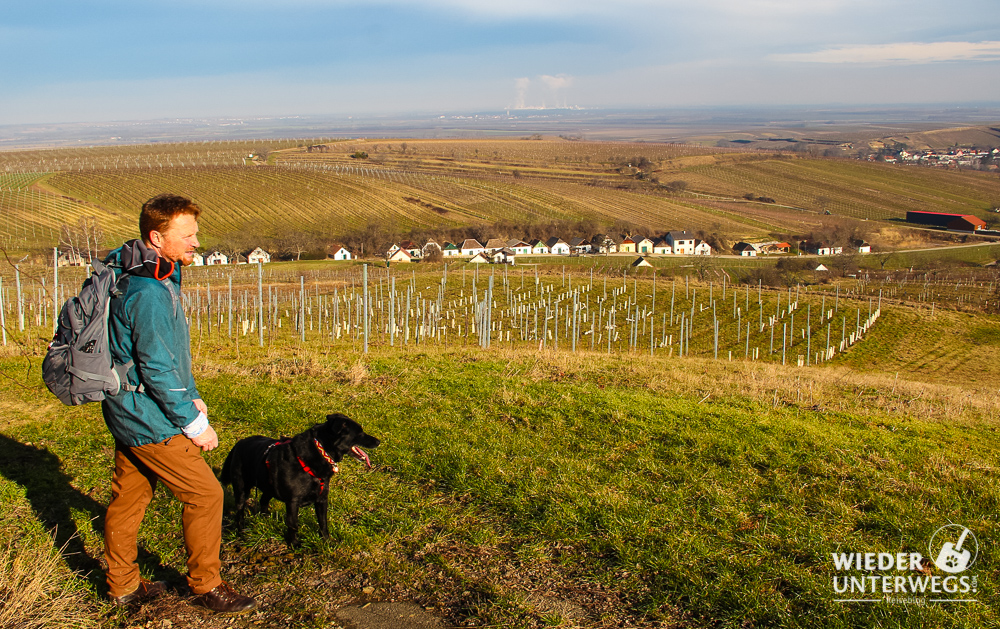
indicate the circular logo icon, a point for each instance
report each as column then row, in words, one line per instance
column 953, row 548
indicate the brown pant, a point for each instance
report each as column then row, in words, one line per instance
column 178, row 464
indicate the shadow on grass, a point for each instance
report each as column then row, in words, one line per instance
column 53, row 499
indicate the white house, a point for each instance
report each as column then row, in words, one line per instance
column 216, row 257
column 471, row 247
column 494, row 244
column 643, row 245
column 538, row 247
column 557, row 246
column 702, row 248
column 197, row 259
column 662, row 246
column 745, row 249
column 502, row 256
column 519, row 247
column 480, row 258
column 399, row 255
column 825, row 249
column 682, row 242
column 412, row 249
column 341, row 254
column 451, row 250
column 258, row 255
column 579, row 245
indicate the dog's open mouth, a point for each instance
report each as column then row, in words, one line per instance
column 362, row 456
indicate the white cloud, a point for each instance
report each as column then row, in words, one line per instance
column 900, row 53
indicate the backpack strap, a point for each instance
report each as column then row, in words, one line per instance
column 122, row 371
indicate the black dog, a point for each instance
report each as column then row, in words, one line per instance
column 295, row 470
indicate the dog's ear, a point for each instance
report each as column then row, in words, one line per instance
column 336, row 420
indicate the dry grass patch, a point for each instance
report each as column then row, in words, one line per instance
column 36, row 589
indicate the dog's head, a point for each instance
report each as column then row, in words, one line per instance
column 341, row 436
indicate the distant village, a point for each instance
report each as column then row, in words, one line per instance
column 954, row 158
column 500, row 251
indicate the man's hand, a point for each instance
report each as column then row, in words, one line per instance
column 201, row 406
column 207, row 440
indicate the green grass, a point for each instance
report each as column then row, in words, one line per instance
column 676, row 489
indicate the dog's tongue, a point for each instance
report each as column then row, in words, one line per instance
column 361, row 455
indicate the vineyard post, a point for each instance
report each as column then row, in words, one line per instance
column 3, row 316
column 574, row 322
column 680, row 337
column 20, row 298
column 489, row 312
column 364, row 275
column 652, row 325
column 392, row 311
column 55, row 288
column 784, row 332
column 652, row 308
column 715, row 328
column 208, row 306
column 230, row 307
column 555, row 327
column 302, row 308
column 260, row 302
column 808, row 339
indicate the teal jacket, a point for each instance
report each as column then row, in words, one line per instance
column 147, row 326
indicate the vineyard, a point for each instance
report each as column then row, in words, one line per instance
column 330, row 188
column 603, row 306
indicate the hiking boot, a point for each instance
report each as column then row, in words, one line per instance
column 224, row 599
column 144, row 591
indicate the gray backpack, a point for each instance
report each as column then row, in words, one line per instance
column 78, row 366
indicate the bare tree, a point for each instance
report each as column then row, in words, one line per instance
column 83, row 239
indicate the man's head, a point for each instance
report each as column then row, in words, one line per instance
column 169, row 224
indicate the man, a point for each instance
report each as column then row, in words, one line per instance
column 159, row 421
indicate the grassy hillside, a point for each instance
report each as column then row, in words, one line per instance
column 537, row 489
column 529, row 487
column 319, row 187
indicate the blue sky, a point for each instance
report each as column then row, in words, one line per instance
column 102, row 60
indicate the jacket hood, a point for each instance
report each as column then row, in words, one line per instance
column 135, row 258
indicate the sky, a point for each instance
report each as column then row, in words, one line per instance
column 112, row 60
